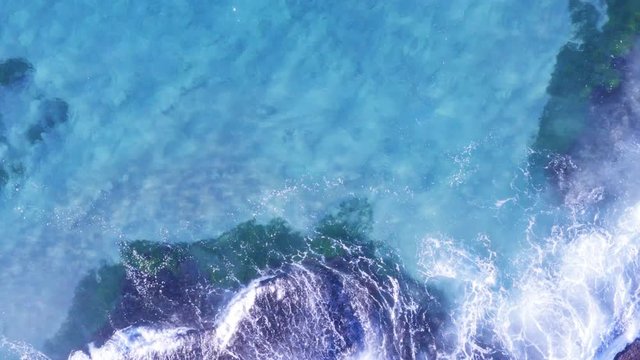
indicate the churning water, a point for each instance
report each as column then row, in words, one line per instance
column 393, row 142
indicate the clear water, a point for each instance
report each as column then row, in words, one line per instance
column 187, row 117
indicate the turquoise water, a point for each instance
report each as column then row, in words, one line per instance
column 186, row 118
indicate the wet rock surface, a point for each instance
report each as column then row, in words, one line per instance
column 631, row 352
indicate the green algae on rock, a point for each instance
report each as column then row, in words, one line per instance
column 237, row 256
column 587, row 65
column 232, row 259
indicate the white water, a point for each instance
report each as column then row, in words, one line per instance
column 578, row 292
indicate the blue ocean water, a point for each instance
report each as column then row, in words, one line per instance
column 188, row 117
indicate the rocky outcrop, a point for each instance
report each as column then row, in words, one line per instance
column 258, row 289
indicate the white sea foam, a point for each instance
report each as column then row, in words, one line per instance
column 470, row 277
column 575, row 306
column 572, row 295
column 19, row 350
column 141, row 343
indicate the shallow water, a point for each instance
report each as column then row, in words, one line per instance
column 186, row 118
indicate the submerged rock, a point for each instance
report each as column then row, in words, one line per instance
column 256, row 292
column 14, row 70
column 4, row 176
column 14, row 113
column 53, row 112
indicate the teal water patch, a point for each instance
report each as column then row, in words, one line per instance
column 191, row 117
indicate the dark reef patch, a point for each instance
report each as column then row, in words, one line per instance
column 14, row 70
column 190, row 284
column 15, row 119
column 52, row 113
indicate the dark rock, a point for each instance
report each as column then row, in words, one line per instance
column 188, row 284
column 14, row 70
column 631, row 352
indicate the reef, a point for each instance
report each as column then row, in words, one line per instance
column 14, row 70
column 325, row 294
column 16, row 122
